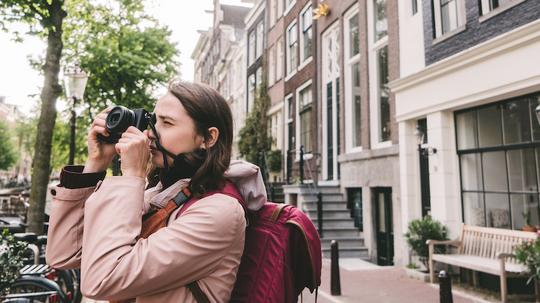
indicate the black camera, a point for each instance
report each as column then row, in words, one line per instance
column 120, row 119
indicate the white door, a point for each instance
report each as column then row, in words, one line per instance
column 330, row 102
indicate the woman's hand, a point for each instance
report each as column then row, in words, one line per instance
column 100, row 154
column 134, row 152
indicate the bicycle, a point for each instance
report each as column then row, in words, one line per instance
column 67, row 280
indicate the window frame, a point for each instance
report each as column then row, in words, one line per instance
column 374, row 103
column 252, row 45
column 298, row 132
column 304, row 61
column 437, row 18
column 349, row 62
column 506, row 148
column 259, row 41
column 289, row 70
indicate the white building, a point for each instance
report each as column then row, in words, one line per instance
column 470, row 85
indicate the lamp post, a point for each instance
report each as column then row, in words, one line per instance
column 538, row 113
column 75, row 82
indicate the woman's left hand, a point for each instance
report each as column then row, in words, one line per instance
column 134, row 152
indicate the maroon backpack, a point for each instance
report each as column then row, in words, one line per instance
column 282, row 253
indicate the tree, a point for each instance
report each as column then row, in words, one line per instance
column 254, row 142
column 7, row 151
column 45, row 19
column 127, row 54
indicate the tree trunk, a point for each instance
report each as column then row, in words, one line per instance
column 51, row 90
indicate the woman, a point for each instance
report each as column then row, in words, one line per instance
column 190, row 144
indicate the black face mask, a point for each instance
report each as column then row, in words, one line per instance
column 184, row 165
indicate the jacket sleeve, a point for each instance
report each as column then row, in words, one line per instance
column 64, row 239
column 115, row 265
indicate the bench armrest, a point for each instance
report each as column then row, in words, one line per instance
column 505, row 255
column 445, row 242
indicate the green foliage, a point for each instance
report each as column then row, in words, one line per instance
column 274, row 159
column 34, row 13
column 8, row 157
column 127, row 53
column 254, row 140
column 421, row 230
column 528, row 254
column 11, row 260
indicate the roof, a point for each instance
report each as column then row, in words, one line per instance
column 234, row 15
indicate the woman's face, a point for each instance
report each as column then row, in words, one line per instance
column 176, row 130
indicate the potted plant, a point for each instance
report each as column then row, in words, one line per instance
column 527, row 217
column 528, row 254
column 421, row 230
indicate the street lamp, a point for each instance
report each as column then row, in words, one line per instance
column 538, row 113
column 75, row 82
column 420, row 138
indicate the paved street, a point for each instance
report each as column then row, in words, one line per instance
column 365, row 282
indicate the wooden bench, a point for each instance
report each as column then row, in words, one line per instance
column 489, row 250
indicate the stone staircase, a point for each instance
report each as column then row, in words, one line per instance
column 337, row 222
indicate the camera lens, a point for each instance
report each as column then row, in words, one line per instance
column 119, row 119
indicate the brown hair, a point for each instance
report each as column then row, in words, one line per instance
column 208, row 109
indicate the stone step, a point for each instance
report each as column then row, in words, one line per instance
column 325, row 206
column 331, row 232
column 329, row 223
column 353, row 252
column 330, row 214
column 343, row 242
column 337, row 197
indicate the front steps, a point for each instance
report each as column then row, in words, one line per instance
column 337, row 222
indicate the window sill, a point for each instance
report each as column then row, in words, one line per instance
column 384, row 144
column 289, row 8
column 499, row 10
column 289, row 76
column 306, row 62
column 449, row 35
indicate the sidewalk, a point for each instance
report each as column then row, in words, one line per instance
column 365, row 282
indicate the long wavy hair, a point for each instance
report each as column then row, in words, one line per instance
column 208, row 109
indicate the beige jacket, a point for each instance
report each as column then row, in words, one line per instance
column 204, row 244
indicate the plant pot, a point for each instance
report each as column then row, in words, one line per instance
column 529, row 228
column 417, row 274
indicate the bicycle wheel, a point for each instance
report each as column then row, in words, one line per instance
column 31, row 285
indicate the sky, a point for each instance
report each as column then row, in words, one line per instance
column 18, row 81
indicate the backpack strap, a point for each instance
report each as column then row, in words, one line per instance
column 229, row 189
column 197, row 292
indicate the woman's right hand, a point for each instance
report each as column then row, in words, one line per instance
column 100, row 154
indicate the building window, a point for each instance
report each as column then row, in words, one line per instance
column 291, row 135
column 491, row 5
column 251, row 47
column 271, row 65
column 260, row 39
column 354, row 204
column 258, row 82
column 384, row 96
column 304, row 99
column 273, row 12
column 280, row 61
column 279, row 9
column 292, row 48
column 379, row 77
column 381, row 23
column 289, row 5
column 251, row 92
column 306, row 17
column 353, row 110
column 498, row 146
column 449, row 16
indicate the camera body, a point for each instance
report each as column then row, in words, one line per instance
column 120, row 119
